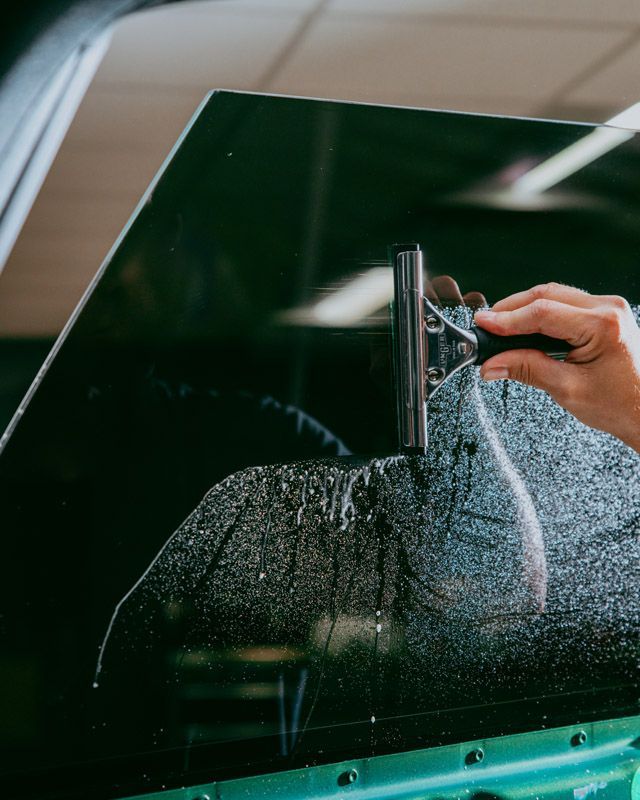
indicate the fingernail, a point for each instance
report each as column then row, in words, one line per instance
column 495, row 374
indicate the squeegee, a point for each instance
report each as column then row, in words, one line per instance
column 429, row 348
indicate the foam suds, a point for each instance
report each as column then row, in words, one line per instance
column 324, row 488
column 514, row 541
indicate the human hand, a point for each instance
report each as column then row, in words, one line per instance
column 444, row 290
column 599, row 383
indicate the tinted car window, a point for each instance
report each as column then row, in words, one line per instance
column 215, row 561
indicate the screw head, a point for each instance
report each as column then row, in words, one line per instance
column 578, row 738
column 475, row 756
column 435, row 374
column 348, row 777
column 432, row 323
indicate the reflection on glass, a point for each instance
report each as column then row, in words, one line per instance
column 216, row 562
column 576, row 156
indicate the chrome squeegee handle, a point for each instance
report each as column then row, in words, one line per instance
column 489, row 345
column 410, row 352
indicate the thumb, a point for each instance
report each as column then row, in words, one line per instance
column 531, row 367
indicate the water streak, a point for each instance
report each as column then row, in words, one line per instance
column 533, row 544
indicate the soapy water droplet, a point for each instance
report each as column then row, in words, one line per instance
column 477, row 538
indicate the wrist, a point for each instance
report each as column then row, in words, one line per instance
column 630, row 435
column 633, row 441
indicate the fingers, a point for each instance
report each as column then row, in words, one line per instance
column 474, row 299
column 533, row 368
column 447, row 289
column 549, row 317
column 431, row 294
column 549, row 291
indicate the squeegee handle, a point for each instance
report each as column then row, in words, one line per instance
column 489, row 344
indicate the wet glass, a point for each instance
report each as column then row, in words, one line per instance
column 325, row 599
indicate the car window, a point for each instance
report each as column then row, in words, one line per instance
column 217, row 563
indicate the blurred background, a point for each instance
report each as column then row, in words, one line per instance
column 563, row 59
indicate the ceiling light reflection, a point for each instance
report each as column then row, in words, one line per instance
column 614, row 132
column 349, row 304
column 570, row 160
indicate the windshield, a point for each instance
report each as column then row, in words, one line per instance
column 216, row 563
